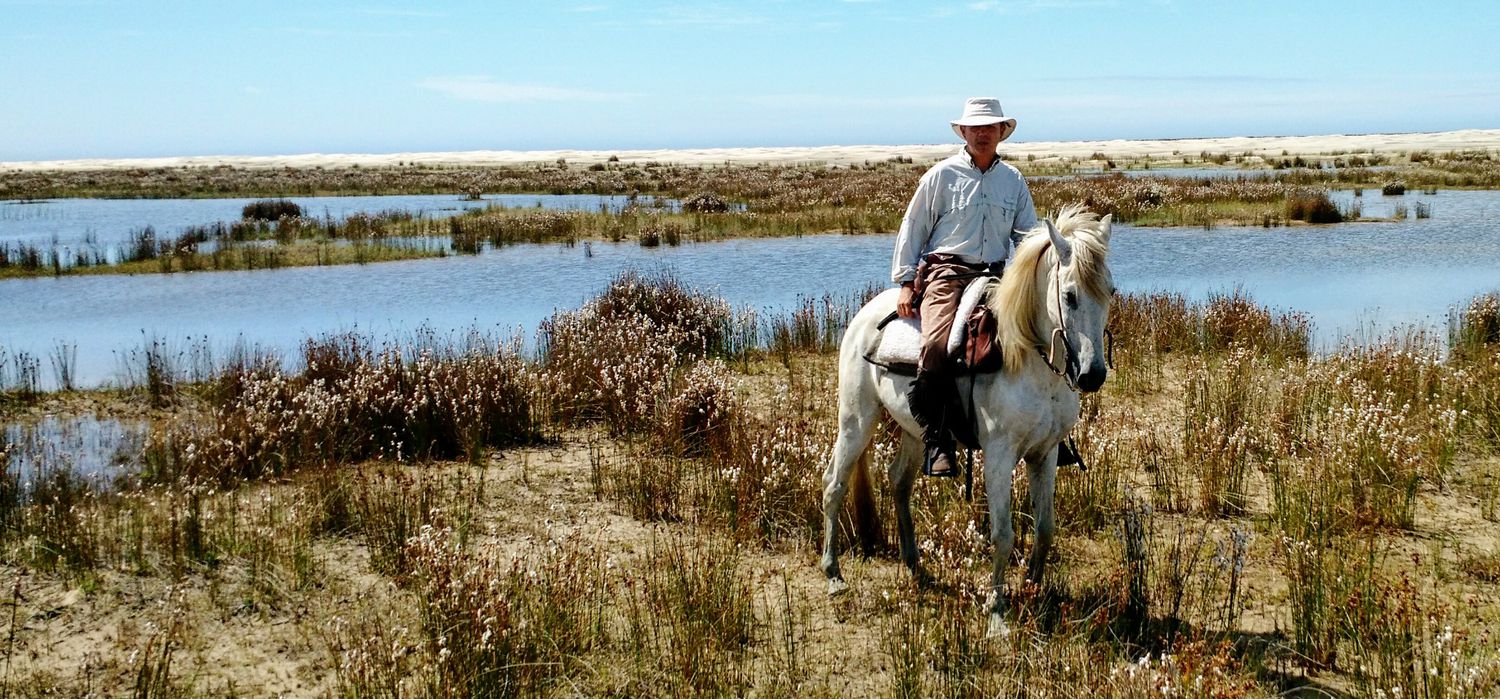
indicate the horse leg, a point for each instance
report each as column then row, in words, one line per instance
column 1043, row 478
column 999, row 465
column 903, row 475
column 856, row 423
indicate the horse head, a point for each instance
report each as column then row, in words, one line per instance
column 1055, row 298
column 1078, row 298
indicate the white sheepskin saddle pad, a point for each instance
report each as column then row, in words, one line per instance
column 901, row 341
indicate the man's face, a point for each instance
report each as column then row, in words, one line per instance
column 982, row 140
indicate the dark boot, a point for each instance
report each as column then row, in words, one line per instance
column 929, row 405
column 1067, row 455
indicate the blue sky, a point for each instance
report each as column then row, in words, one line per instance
column 82, row 79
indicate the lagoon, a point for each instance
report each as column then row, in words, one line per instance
column 1354, row 280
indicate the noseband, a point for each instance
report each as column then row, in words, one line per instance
column 1069, row 369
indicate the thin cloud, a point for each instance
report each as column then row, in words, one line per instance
column 349, row 34
column 1269, row 79
column 1009, row 6
column 479, row 88
column 693, row 17
column 392, row 12
column 815, row 100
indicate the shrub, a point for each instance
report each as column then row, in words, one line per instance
column 1312, row 207
column 698, row 418
column 1235, row 319
column 705, row 203
column 614, row 359
column 356, row 405
column 1477, row 326
column 270, row 210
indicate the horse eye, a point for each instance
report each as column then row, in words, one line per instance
column 1072, row 299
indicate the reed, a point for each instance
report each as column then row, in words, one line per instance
column 501, row 628
column 1219, row 434
column 690, row 607
column 1151, row 325
column 1312, row 208
column 1475, row 330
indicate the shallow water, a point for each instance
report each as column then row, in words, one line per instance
column 109, row 222
column 99, row 451
column 1353, row 280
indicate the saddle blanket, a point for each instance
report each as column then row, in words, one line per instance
column 901, row 341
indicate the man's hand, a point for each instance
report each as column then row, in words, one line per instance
column 906, row 303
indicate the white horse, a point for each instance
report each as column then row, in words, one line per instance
column 1054, row 297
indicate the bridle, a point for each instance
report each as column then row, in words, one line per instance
column 1070, row 368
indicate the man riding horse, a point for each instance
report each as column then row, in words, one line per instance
column 958, row 227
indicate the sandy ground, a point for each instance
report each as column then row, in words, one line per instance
column 834, row 155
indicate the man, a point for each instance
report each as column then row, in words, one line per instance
column 960, row 223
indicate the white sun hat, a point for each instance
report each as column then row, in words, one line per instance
column 983, row 111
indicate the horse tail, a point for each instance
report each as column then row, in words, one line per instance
column 866, row 515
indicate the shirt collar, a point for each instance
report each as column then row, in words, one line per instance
column 969, row 159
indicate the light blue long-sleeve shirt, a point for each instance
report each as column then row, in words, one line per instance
column 961, row 211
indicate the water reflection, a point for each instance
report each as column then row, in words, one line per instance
column 97, row 450
column 108, row 222
column 1348, row 277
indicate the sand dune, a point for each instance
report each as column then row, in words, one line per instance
column 837, row 155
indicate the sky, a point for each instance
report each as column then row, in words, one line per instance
column 106, row 79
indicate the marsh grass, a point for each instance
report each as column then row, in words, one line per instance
column 20, row 376
column 357, row 404
column 1307, row 472
column 287, row 241
column 690, row 607
column 612, row 360
column 1475, row 330
column 1313, row 207
column 503, row 628
column 1219, row 434
column 1147, row 325
column 776, row 200
column 64, row 359
column 391, row 507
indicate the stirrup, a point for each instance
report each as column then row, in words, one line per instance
column 930, row 456
column 1067, row 455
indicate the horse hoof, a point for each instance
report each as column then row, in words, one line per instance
column 837, row 586
column 922, row 578
column 998, row 628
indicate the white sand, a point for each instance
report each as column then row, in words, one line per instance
column 1483, row 139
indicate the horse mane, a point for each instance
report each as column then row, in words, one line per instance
column 1015, row 302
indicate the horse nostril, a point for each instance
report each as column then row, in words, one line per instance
column 1092, row 381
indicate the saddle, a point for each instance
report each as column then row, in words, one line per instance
column 900, row 343
column 971, row 342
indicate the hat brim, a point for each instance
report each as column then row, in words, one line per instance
column 1009, row 122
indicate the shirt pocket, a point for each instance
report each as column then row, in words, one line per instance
column 1006, row 207
column 957, row 198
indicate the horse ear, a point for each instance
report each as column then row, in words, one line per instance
column 1105, row 225
column 1060, row 244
